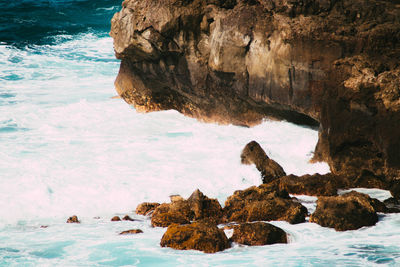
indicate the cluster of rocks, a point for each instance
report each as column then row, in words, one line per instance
column 193, row 223
column 198, row 222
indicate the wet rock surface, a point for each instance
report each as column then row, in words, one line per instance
column 270, row 170
column 73, row 219
column 350, row 211
column 201, row 236
column 131, row 232
column 115, row 219
column 181, row 211
column 258, row 234
column 263, row 204
column 328, row 63
column 146, row 208
column 312, row 185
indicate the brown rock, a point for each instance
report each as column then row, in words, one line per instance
column 350, row 211
column 73, row 219
column 196, row 207
column 260, row 204
column 328, row 63
column 178, row 212
column 201, row 236
column 146, row 208
column 115, row 219
column 127, row 218
column 313, row 185
column 204, row 207
column 258, row 234
column 270, row 170
column 131, row 232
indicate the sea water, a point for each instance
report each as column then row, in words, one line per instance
column 68, row 148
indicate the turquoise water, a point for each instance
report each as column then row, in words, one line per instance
column 67, row 148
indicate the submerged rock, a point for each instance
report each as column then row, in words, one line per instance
column 328, row 63
column 146, row 208
column 350, row 211
column 263, row 203
column 73, row 219
column 270, row 170
column 131, row 232
column 115, row 219
column 127, row 218
column 201, row 236
column 258, row 234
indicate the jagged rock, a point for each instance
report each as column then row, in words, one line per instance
column 73, row 219
column 270, row 170
column 263, row 204
column 127, row 218
column 201, row 236
column 350, row 211
column 178, row 212
column 196, row 207
column 313, row 185
column 131, row 232
column 258, row 234
column 204, row 207
column 316, row 62
column 146, row 208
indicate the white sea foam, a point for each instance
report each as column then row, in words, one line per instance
column 67, row 148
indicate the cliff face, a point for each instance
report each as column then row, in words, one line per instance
column 332, row 63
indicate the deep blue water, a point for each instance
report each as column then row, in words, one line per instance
column 27, row 22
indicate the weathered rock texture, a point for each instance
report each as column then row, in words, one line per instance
column 198, row 235
column 146, row 208
column 258, row 234
column 350, row 211
column 181, row 211
column 335, row 63
column 263, row 203
column 270, row 170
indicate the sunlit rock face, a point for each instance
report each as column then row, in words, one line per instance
column 316, row 62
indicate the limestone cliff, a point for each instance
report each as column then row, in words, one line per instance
column 332, row 63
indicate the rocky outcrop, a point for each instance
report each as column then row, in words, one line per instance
column 332, row 63
column 181, row 211
column 73, row 219
column 258, row 234
column 146, row 208
column 263, row 204
column 270, row 170
column 201, row 236
column 350, row 211
column 312, row 185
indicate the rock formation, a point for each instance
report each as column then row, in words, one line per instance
column 270, row 170
column 350, row 211
column 146, row 208
column 263, row 204
column 332, row 63
column 201, row 236
column 181, row 211
column 258, row 234
column 73, row 219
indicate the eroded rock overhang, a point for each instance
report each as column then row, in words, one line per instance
column 328, row 63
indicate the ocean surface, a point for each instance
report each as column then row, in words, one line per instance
column 67, row 148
